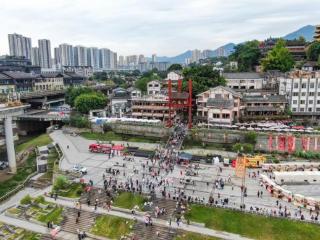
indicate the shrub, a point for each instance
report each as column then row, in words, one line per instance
column 39, row 199
column 26, row 200
column 60, row 183
column 79, row 121
column 243, row 148
column 250, row 137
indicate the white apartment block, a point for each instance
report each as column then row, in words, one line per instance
column 303, row 93
column 153, row 88
column 244, row 80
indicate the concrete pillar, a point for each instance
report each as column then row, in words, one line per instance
column 10, row 144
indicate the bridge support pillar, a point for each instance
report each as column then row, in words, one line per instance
column 10, row 144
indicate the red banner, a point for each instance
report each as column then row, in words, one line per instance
column 270, row 142
column 282, row 143
column 304, row 143
column 291, row 144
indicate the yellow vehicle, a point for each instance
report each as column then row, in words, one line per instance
column 255, row 161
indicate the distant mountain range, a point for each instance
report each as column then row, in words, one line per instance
column 307, row 32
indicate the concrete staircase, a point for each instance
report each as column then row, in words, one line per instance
column 142, row 232
column 169, row 205
column 86, row 220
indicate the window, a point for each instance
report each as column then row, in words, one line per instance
column 295, row 101
column 319, row 93
column 303, row 94
column 302, row 102
column 295, row 94
column 294, row 109
column 311, row 94
column 296, row 85
column 310, row 101
column 301, row 109
column 303, row 85
column 225, row 115
column 309, row 109
column 214, row 115
column 312, row 85
column 318, row 101
column 318, row 109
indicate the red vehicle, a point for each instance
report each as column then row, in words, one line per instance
column 100, row 148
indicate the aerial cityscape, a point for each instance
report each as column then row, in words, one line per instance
column 135, row 120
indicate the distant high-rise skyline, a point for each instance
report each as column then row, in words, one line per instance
column 45, row 53
column 19, row 45
column 35, row 56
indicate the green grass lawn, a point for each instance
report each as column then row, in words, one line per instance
column 41, row 140
column 111, row 227
column 23, row 172
column 194, row 236
column 253, row 226
column 128, row 200
column 111, row 136
column 74, row 191
column 54, row 216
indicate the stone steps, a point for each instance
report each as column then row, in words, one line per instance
column 46, row 237
column 86, row 220
column 39, row 184
column 169, row 205
column 142, row 232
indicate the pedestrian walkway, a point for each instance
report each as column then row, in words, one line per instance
column 160, row 222
column 37, row 228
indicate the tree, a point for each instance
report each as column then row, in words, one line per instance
column 89, row 101
column 250, row 137
column 247, row 55
column 243, row 148
column 61, row 182
column 175, row 67
column 313, row 52
column 72, row 93
column 278, row 58
column 142, row 82
column 203, row 78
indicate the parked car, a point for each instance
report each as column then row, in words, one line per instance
column 3, row 165
column 79, row 169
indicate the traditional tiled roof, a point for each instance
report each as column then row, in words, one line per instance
column 50, row 75
column 243, row 75
column 220, row 103
column 267, row 99
column 4, row 77
column 20, row 75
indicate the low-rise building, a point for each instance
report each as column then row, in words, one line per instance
column 23, row 81
column 153, row 87
column 48, row 82
column 302, row 89
column 72, row 79
column 174, row 76
column 6, row 85
column 119, row 102
column 219, row 105
column 242, row 81
column 266, row 106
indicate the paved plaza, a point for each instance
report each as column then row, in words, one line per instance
column 199, row 187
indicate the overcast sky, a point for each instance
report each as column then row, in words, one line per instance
column 165, row 27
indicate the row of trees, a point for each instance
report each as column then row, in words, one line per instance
column 85, row 99
column 248, row 55
column 203, row 78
